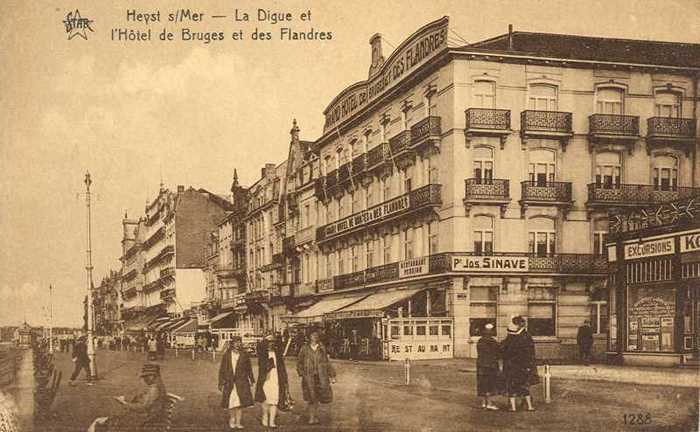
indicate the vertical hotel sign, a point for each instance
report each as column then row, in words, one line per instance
column 411, row 54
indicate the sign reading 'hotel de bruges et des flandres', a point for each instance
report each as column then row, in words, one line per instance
column 415, row 51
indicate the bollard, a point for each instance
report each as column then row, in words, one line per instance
column 175, row 351
column 213, row 354
column 192, row 353
column 547, row 383
column 407, row 370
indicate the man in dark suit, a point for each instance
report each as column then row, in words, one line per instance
column 585, row 342
column 81, row 360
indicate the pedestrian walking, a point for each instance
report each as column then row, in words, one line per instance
column 519, row 362
column 80, row 360
column 487, row 369
column 354, row 344
column 585, row 342
column 317, row 375
column 235, row 379
column 272, row 387
column 152, row 345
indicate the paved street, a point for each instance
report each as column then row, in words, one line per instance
column 371, row 397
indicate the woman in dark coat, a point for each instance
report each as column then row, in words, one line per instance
column 271, row 389
column 487, row 369
column 519, row 362
column 235, row 379
column 316, row 374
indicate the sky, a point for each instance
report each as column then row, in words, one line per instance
column 189, row 113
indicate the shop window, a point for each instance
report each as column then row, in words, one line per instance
column 433, row 329
column 482, row 309
column 483, row 165
column 665, row 173
column 483, row 235
column 446, row 330
column 541, row 167
column 608, row 169
column 484, row 95
column 542, row 97
column 420, row 328
column 541, row 311
column 599, row 316
column 408, row 330
column 395, row 332
column 610, row 100
column 652, row 311
column 668, row 104
column 541, row 236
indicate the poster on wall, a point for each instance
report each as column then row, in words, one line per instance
column 650, row 343
column 651, row 312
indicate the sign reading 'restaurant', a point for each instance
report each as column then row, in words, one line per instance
column 650, row 248
column 502, row 264
column 410, row 55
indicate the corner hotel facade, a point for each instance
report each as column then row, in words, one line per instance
column 462, row 185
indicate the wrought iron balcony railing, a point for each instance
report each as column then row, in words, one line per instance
column 636, row 194
column 332, row 179
column 358, row 164
column 556, row 122
column 288, row 244
column 378, row 156
column 429, row 128
column 613, row 125
column 344, row 173
column 569, row 263
column 319, row 186
column 349, row 280
column 325, row 285
column 167, row 272
column 487, row 119
column 382, row 273
column 305, row 235
column 671, row 127
column 426, row 196
column 167, row 294
column 481, row 189
column 400, row 143
column 551, row 191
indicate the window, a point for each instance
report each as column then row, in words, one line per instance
column 407, row 181
column 608, row 168
column 542, row 167
column 599, row 315
column 542, row 97
column 387, row 249
column 369, row 250
column 306, row 216
column 483, row 235
column 541, row 236
column 484, row 94
column 668, row 104
column 341, row 207
column 387, row 188
column 433, row 239
column 369, row 194
column 328, row 165
column 355, row 198
column 354, row 259
column 433, row 172
column 483, row 165
column 665, row 173
column 600, row 236
column 341, row 262
column 541, row 311
column 330, row 258
column 408, row 237
column 482, row 308
column 365, row 141
column 610, row 101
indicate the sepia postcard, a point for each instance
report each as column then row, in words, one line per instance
column 308, row 215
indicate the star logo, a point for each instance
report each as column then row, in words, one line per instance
column 76, row 25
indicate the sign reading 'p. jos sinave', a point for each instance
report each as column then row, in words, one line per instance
column 503, row 264
column 370, row 215
column 423, row 45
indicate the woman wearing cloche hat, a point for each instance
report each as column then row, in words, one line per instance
column 487, row 369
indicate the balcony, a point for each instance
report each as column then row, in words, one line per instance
column 332, row 179
column 487, row 122
column 546, row 124
column 568, row 263
column 635, row 195
column 359, row 164
column 323, row 285
column 419, row 199
column 319, row 188
column 349, row 280
column 167, row 272
column 545, row 194
column 379, row 158
column 344, row 173
column 305, row 235
column 481, row 191
column 669, row 131
column 257, row 296
column 167, row 294
column 400, row 148
column 426, row 133
column 613, row 127
column 288, row 245
column 129, row 293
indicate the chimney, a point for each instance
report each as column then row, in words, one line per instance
column 295, row 131
column 180, row 188
column 375, row 42
column 510, row 37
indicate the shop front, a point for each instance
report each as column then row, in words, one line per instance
column 657, row 280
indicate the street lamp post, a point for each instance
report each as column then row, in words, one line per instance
column 88, row 267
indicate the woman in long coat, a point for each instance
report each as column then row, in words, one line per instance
column 316, row 374
column 271, row 389
column 487, row 369
column 235, row 379
column 519, row 362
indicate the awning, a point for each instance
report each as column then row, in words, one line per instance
column 326, row 305
column 373, row 305
column 156, row 324
column 223, row 320
column 141, row 323
column 186, row 327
